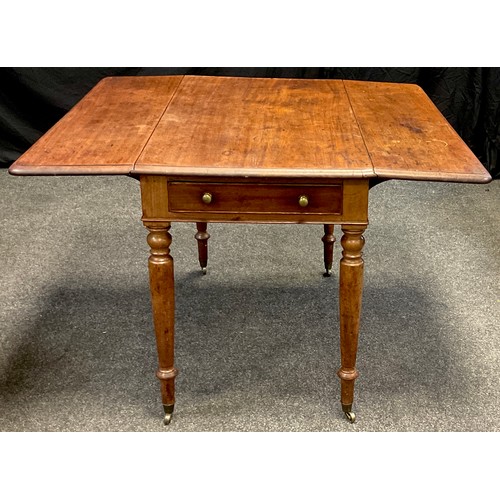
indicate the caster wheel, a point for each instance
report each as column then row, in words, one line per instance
column 169, row 411
column 204, row 270
column 327, row 274
column 350, row 416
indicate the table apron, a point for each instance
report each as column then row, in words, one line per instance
column 349, row 200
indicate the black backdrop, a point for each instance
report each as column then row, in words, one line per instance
column 33, row 99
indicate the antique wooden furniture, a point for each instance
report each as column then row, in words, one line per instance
column 221, row 149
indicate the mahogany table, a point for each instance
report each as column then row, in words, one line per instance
column 254, row 150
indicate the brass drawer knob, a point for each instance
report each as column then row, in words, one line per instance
column 207, row 198
column 303, row 201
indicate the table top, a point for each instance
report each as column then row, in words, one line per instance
column 254, row 127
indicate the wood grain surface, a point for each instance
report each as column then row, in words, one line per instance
column 407, row 137
column 105, row 132
column 267, row 201
column 257, row 127
column 255, row 198
column 254, row 127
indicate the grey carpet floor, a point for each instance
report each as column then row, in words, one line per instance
column 257, row 337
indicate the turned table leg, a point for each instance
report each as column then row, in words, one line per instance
column 328, row 241
column 202, row 237
column 351, row 288
column 161, row 279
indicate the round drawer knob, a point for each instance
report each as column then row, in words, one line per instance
column 206, row 198
column 303, row 201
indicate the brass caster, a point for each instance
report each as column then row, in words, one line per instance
column 169, row 410
column 204, row 270
column 351, row 416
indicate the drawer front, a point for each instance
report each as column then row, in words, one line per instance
column 246, row 198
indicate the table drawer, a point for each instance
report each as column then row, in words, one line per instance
column 255, row 198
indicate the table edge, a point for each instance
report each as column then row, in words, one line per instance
column 19, row 169
column 296, row 173
column 473, row 178
column 129, row 170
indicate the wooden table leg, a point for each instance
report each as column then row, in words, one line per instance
column 161, row 279
column 328, row 242
column 351, row 289
column 202, row 237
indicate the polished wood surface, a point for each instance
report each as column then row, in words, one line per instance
column 257, row 127
column 105, row 132
column 161, row 283
column 254, row 127
column 328, row 242
column 350, row 295
column 341, row 200
column 202, row 236
column 255, row 198
column 407, row 137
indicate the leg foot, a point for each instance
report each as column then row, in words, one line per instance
column 350, row 415
column 169, row 410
